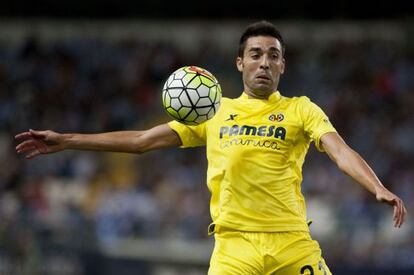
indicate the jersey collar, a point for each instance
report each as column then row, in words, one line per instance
column 274, row 97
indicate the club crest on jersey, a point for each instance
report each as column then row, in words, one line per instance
column 279, row 117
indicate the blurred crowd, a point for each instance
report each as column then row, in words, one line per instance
column 72, row 202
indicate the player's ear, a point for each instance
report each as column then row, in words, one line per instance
column 239, row 63
column 282, row 70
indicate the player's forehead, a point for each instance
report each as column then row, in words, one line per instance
column 263, row 43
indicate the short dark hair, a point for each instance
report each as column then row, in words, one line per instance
column 261, row 28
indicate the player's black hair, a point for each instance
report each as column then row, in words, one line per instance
column 261, row 28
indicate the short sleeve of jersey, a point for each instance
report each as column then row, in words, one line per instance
column 191, row 136
column 315, row 122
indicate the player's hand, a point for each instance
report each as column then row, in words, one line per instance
column 383, row 195
column 34, row 143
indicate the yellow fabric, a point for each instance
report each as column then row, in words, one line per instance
column 255, row 253
column 255, row 151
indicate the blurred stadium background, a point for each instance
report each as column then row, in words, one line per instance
column 67, row 67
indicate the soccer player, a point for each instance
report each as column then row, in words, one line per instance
column 256, row 145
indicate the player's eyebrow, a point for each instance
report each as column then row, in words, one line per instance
column 258, row 49
column 274, row 49
column 255, row 49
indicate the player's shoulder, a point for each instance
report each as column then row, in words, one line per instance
column 226, row 99
column 225, row 104
column 299, row 104
column 296, row 100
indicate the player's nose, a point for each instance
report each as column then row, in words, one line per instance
column 264, row 64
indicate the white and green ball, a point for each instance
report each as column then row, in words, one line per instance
column 191, row 95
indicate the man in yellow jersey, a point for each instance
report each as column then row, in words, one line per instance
column 256, row 145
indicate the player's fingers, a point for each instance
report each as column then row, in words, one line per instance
column 398, row 215
column 395, row 214
column 396, row 208
column 22, row 135
column 37, row 134
column 25, row 144
column 403, row 211
column 400, row 212
column 26, row 149
column 30, row 143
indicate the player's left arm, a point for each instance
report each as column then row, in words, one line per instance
column 351, row 163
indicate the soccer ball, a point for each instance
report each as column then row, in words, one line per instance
column 191, row 95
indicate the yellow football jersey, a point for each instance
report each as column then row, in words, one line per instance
column 255, row 151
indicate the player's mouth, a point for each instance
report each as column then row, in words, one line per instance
column 263, row 77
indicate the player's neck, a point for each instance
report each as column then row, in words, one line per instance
column 252, row 95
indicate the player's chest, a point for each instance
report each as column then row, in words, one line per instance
column 271, row 128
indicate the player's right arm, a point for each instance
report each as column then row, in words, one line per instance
column 34, row 143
